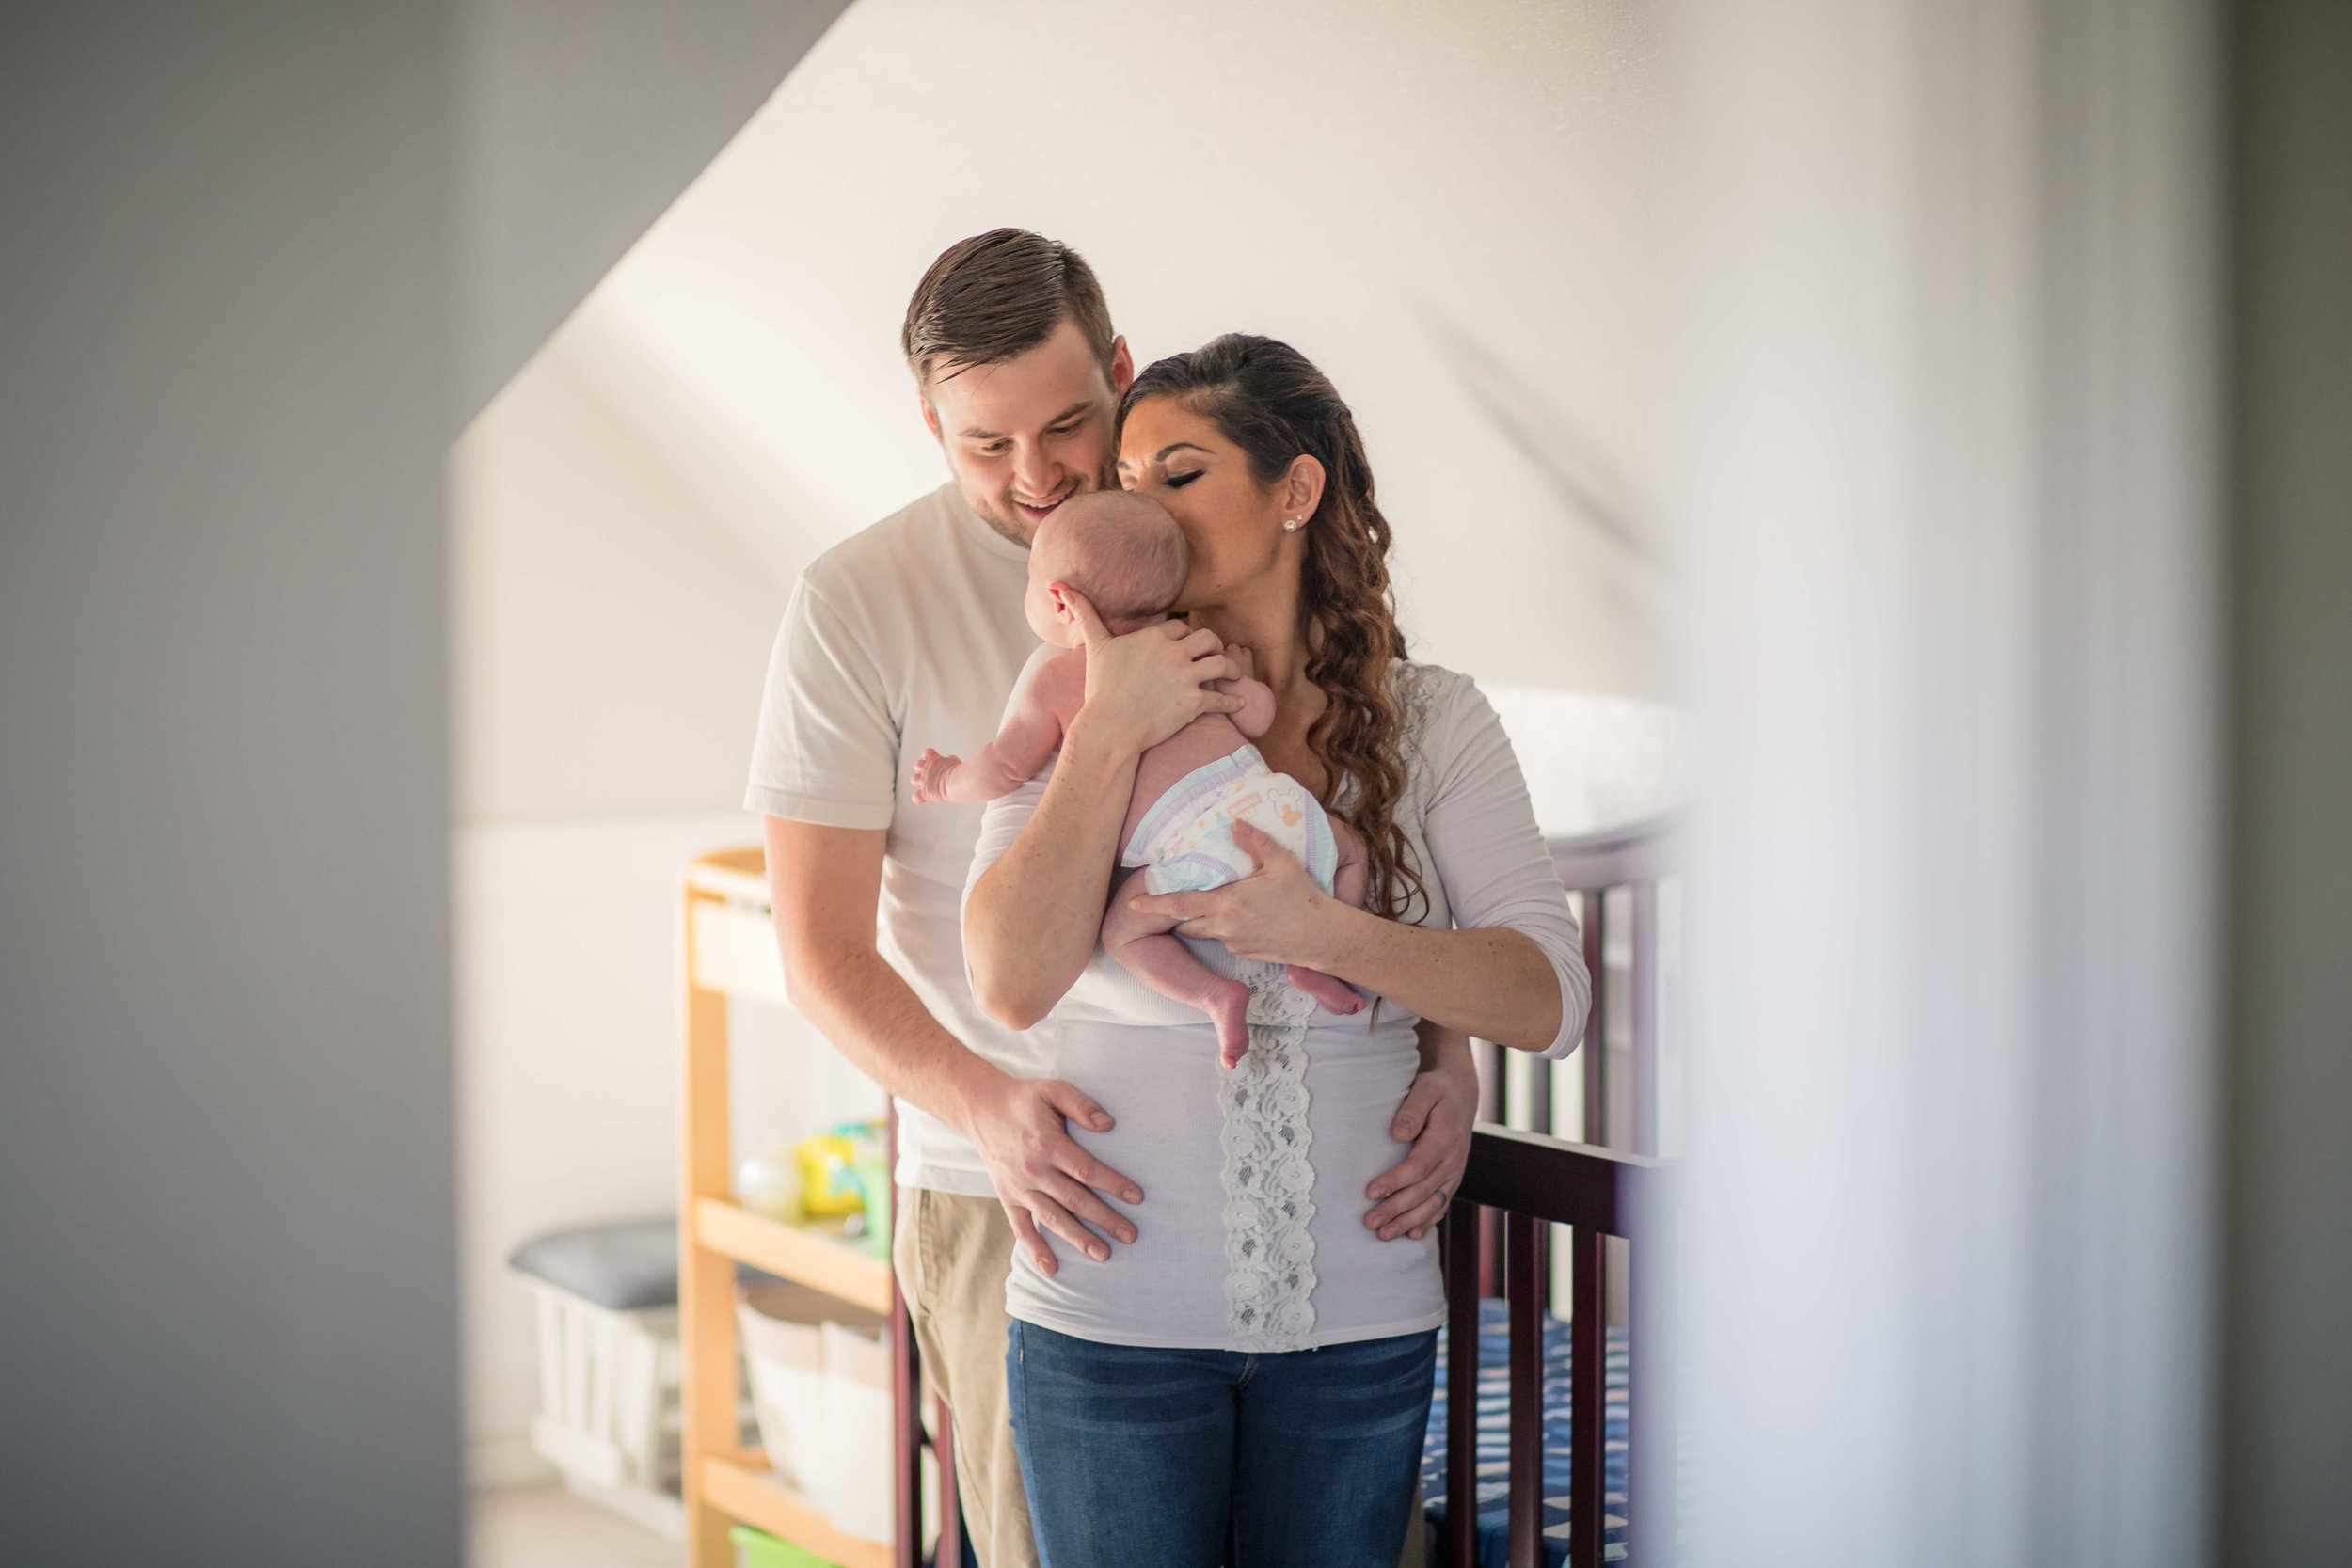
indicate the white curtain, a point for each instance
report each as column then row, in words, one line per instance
column 1941, row 455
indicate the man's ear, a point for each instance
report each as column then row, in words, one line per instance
column 1122, row 367
column 1302, row 487
column 930, row 414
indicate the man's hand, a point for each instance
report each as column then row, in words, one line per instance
column 1144, row 687
column 1437, row 1116
column 1042, row 1176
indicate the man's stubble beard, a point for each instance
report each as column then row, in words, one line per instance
column 1000, row 514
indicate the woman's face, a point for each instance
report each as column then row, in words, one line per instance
column 1233, row 523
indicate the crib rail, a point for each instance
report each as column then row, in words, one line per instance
column 1523, row 1181
column 1532, row 1182
column 1635, row 859
column 1616, row 872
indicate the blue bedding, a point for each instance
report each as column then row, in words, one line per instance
column 1494, row 1440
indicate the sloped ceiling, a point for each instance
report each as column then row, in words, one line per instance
column 580, row 121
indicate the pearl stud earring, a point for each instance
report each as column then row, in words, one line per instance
column 1291, row 524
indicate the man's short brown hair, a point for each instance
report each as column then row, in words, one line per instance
column 999, row 294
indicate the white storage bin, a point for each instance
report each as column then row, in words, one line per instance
column 608, row 1416
column 820, row 1387
column 607, row 1421
column 861, row 1497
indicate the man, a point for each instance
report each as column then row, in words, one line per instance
column 910, row 634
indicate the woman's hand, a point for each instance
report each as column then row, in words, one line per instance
column 1277, row 913
column 1144, row 687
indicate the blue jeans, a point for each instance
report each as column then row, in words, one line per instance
column 1142, row 1458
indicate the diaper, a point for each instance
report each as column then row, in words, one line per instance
column 1186, row 838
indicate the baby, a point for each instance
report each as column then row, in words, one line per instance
column 1127, row 556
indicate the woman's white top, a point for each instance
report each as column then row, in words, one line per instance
column 1251, row 1232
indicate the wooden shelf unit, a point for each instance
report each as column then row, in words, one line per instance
column 741, row 1486
column 727, row 949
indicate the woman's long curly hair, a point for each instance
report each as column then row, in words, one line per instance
column 1267, row 399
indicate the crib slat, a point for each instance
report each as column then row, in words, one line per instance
column 1645, row 1017
column 1597, row 1021
column 906, row 1393
column 1527, row 1270
column 1490, row 1109
column 1539, row 1096
column 1458, row 1547
column 1588, row 1396
column 1539, row 1121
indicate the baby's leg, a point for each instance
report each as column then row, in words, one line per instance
column 1142, row 945
column 1347, row 886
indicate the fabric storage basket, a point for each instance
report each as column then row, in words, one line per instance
column 858, row 1407
column 819, row 1379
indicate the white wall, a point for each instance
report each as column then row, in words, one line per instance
column 610, row 646
column 568, row 1082
column 226, row 1331
column 1446, row 212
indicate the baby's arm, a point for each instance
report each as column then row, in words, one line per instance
column 1257, row 698
column 1033, row 727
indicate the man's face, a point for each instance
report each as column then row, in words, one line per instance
column 1025, row 435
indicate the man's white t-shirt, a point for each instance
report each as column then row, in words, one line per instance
column 907, row 635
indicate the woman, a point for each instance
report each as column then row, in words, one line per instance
column 1248, row 1382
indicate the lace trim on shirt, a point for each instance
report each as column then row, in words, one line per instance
column 1269, row 1183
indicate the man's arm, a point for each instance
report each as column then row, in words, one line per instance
column 1437, row 1117
column 825, row 885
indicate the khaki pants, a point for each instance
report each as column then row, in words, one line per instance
column 953, row 1254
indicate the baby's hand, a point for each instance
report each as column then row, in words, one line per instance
column 1240, row 656
column 931, row 776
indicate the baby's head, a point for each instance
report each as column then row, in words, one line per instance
column 1119, row 550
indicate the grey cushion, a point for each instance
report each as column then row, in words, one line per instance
column 623, row 1266
column 620, row 1264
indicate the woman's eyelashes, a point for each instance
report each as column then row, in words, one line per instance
column 1177, row 482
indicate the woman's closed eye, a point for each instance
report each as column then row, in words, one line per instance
column 1177, row 482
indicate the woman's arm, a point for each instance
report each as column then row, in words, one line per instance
column 1512, row 971
column 1032, row 918
column 1493, row 982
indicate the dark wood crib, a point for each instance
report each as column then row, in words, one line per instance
column 1523, row 1183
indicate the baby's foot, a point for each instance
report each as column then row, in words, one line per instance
column 931, row 776
column 1228, row 1007
column 1335, row 995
